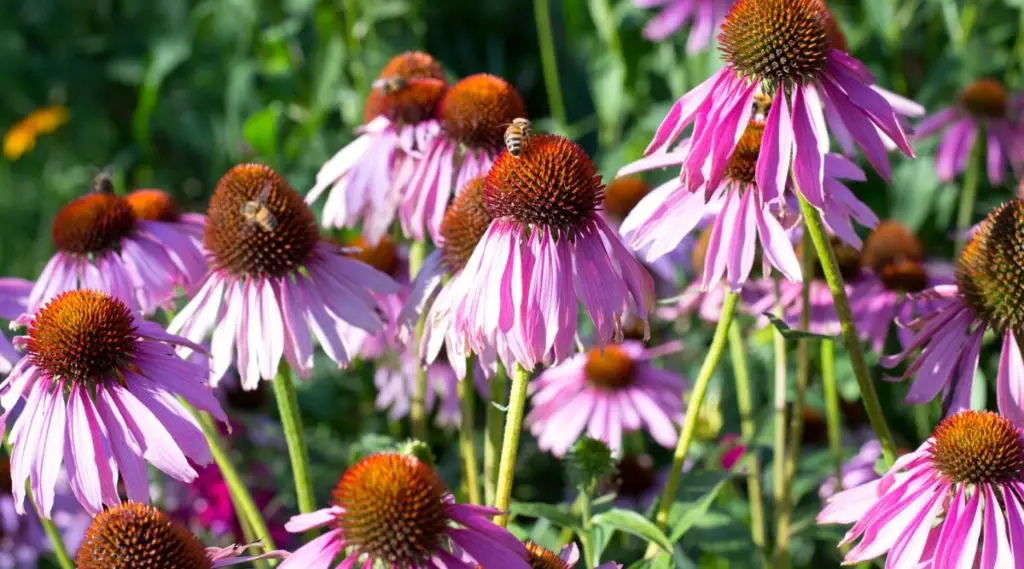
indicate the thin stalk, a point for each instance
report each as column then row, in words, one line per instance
column 245, row 506
column 495, row 425
column 696, row 399
column 510, row 443
column 60, row 551
column 969, row 192
column 586, row 533
column 467, row 446
column 288, row 406
column 748, row 428
column 796, row 420
column 830, row 388
column 830, row 267
column 549, row 61
column 418, row 403
column 779, row 405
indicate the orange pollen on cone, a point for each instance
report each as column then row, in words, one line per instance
column 383, row 256
column 153, row 205
column 622, row 194
column 609, row 367
column 777, row 40
column 742, row 164
column 477, row 110
column 974, row 447
column 93, row 223
column 136, row 536
column 986, row 98
column 465, row 222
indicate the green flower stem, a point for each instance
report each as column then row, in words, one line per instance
column 495, row 426
column 60, row 551
column 830, row 267
column 796, row 420
column 779, row 405
column 245, row 506
column 969, row 191
column 744, row 400
column 586, row 533
column 510, row 442
column 467, row 446
column 288, row 406
column 830, row 388
column 549, row 61
column 695, row 400
column 418, row 404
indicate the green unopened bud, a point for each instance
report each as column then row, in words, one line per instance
column 590, row 460
column 419, row 450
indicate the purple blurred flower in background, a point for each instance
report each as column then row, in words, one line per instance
column 13, row 303
column 368, row 178
column 984, row 107
column 857, row 471
column 704, row 16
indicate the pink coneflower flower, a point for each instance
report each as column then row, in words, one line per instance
column 100, row 386
column 434, row 291
column 392, row 260
column 704, row 17
column 603, row 393
column 394, row 510
column 157, row 216
column 134, row 535
column 748, row 213
column 856, row 472
column 273, row 285
column 555, row 251
column 954, row 318
column 779, row 51
column 956, row 501
column 102, row 245
column 984, row 106
column 473, row 115
column 368, row 178
column 13, row 301
column 895, row 269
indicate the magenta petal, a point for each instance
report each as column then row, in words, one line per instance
column 776, row 149
column 808, row 165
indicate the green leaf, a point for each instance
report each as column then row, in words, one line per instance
column 260, row 130
column 168, row 54
column 554, row 514
column 792, row 333
column 698, row 492
column 634, row 524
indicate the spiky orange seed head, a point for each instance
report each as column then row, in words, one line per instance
column 394, row 509
column 423, row 86
column 975, row 447
column 552, row 184
column 383, row 256
column 776, row 40
column 986, row 98
column 609, row 368
column 742, row 163
column 82, row 336
column 238, row 243
column 477, row 110
column 136, row 536
column 622, row 194
column 990, row 269
column 153, row 205
column 543, row 558
column 464, row 224
column 93, row 223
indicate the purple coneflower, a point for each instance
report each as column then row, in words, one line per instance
column 391, row 259
column 748, row 213
column 554, row 252
column 273, row 284
column 100, row 387
column 465, row 223
column 986, row 107
column 157, row 216
column 473, row 115
column 368, row 178
column 567, row 558
column 857, row 471
column 134, row 535
column 779, row 51
column 956, row 501
column 602, row 393
column 953, row 319
column 395, row 511
column 704, row 17
column 13, row 301
column 102, row 245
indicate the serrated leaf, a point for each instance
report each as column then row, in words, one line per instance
column 698, row 493
column 554, row 514
column 633, row 524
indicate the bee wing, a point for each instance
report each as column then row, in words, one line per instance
column 265, row 192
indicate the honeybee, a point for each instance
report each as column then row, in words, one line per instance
column 256, row 212
column 101, row 183
column 762, row 104
column 390, row 85
column 516, row 134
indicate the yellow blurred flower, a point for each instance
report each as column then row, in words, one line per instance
column 21, row 137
